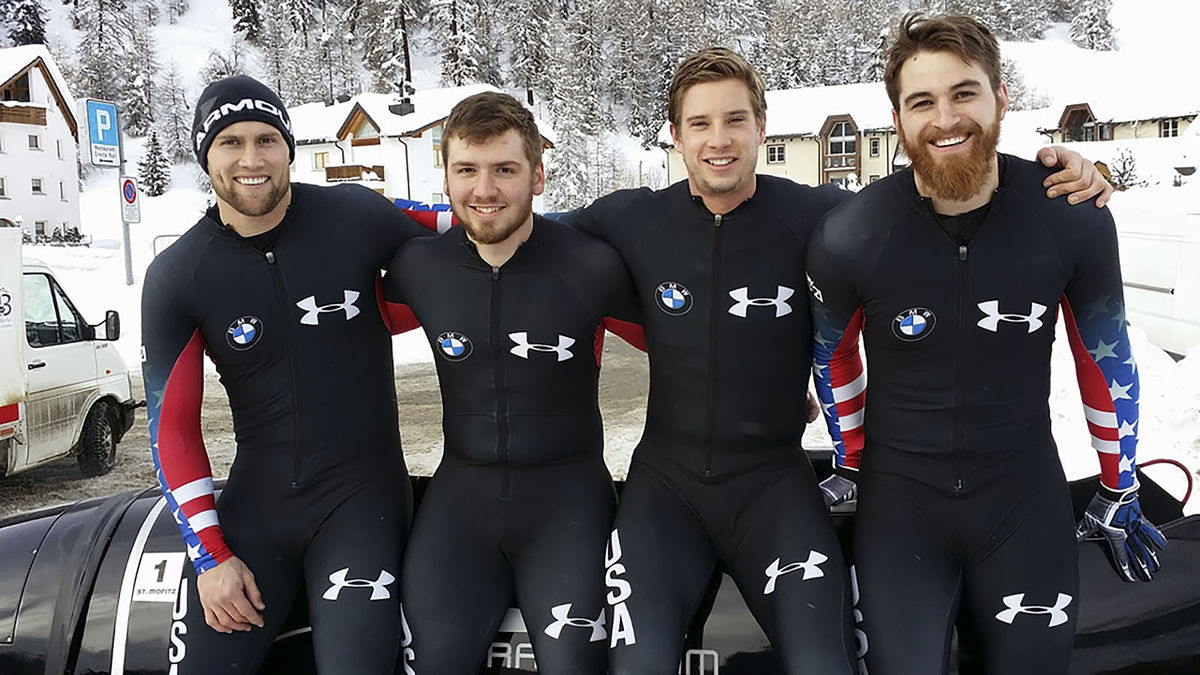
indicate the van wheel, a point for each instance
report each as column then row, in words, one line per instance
column 98, row 444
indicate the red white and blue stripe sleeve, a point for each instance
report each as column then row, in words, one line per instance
column 173, row 374
column 1094, row 312
column 838, row 373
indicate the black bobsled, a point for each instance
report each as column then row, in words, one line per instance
column 91, row 587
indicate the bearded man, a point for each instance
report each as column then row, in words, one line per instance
column 954, row 271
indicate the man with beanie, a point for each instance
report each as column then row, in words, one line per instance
column 277, row 283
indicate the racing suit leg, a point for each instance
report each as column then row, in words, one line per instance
column 559, row 567
column 787, row 561
column 200, row 650
column 909, row 577
column 351, row 564
column 456, row 583
column 1022, row 594
column 658, row 564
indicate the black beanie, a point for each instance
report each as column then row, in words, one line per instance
column 237, row 99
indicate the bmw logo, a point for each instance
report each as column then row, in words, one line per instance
column 673, row 298
column 244, row 333
column 913, row 324
column 454, row 345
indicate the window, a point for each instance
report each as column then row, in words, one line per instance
column 1168, row 128
column 35, row 142
column 39, row 227
column 874, row 147
column 776, row 153
column 17, row 91
column 874, row 177
column 436, row 137
column 3, row 190
column 50, row 318
column 62, row 191
column 438, row 198
column 841, row 139
column 1, row 144
column 35, row 184
column 58, row 146
column 320, row 159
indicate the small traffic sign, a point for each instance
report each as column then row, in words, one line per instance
column 131, row 208
column 104, row 134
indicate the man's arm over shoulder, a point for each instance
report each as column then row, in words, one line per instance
column 397, row 312
column 173, row 374
column 609, row 215
column 837, row 314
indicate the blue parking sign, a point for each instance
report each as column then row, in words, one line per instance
column 104, row 134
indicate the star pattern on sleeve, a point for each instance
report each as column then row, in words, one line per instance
column 1103, row 350
column 1119, row 391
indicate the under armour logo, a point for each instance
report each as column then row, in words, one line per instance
column 309, row 305
column 378, row 587
column 993, row 317
column 562, row 615
column 524, row 347
column 1013, row 602
column 811, row 568
column 741, row 295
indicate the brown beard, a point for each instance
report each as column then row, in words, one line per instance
column 954, row 179
column 498, row 233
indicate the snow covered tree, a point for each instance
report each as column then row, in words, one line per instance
column 100, row 47
column 1124, row 171
column 224, row 62
column 175, row 9
column 174, row 116
column 25, row 21
column 386, row 51
column 526, row 22
column 487, row 45
column 454, row 35
column 1020, row 95
column 154, row 168
column 567, row 170
column 1090, row 28
column 246, row 19
column 138, row 93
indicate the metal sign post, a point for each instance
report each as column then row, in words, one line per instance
column 102, row 128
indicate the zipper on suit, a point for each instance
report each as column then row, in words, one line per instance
column 498, row 351
column 714, row 318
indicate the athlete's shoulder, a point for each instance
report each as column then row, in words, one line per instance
column 183, row 254
column 572, row 245
column 1022, row 179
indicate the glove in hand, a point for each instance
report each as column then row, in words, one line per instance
column 1133, row 541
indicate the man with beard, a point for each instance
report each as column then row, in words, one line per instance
column 277, row 284
column 522, row 502
column 954, row 272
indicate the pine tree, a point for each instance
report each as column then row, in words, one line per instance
column 175, row 9
column 100, row 47
column 1090, row 28
column 455, row 33
column 526, row 25
column 567, row 179
column 26, row 21
column 138, row 96
column 386, row 42
column 174, row 117
column 154, row 169
column 246, row 19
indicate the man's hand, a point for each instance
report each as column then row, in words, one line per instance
column 838, row 489
column 1079, row 179
column 1132, row 540
column 230, row 597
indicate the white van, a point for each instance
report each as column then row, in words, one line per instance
column 64, row 388
column 1159, row 233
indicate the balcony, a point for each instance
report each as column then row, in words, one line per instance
column 840, row 161
column 23, row 114
column 349, row 172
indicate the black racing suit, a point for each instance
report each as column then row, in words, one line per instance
column 318, row 495
column 962, row 499
column 719, row 474
column 522, row 502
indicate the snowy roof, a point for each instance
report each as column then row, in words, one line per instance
column 15, row 59
column 317, row 122
column 1134, row 106
column 802, row 112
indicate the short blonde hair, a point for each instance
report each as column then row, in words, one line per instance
column 714, row 65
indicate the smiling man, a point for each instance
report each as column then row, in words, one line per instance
column 954, row 272
column 521, row 504
column 277, row 284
